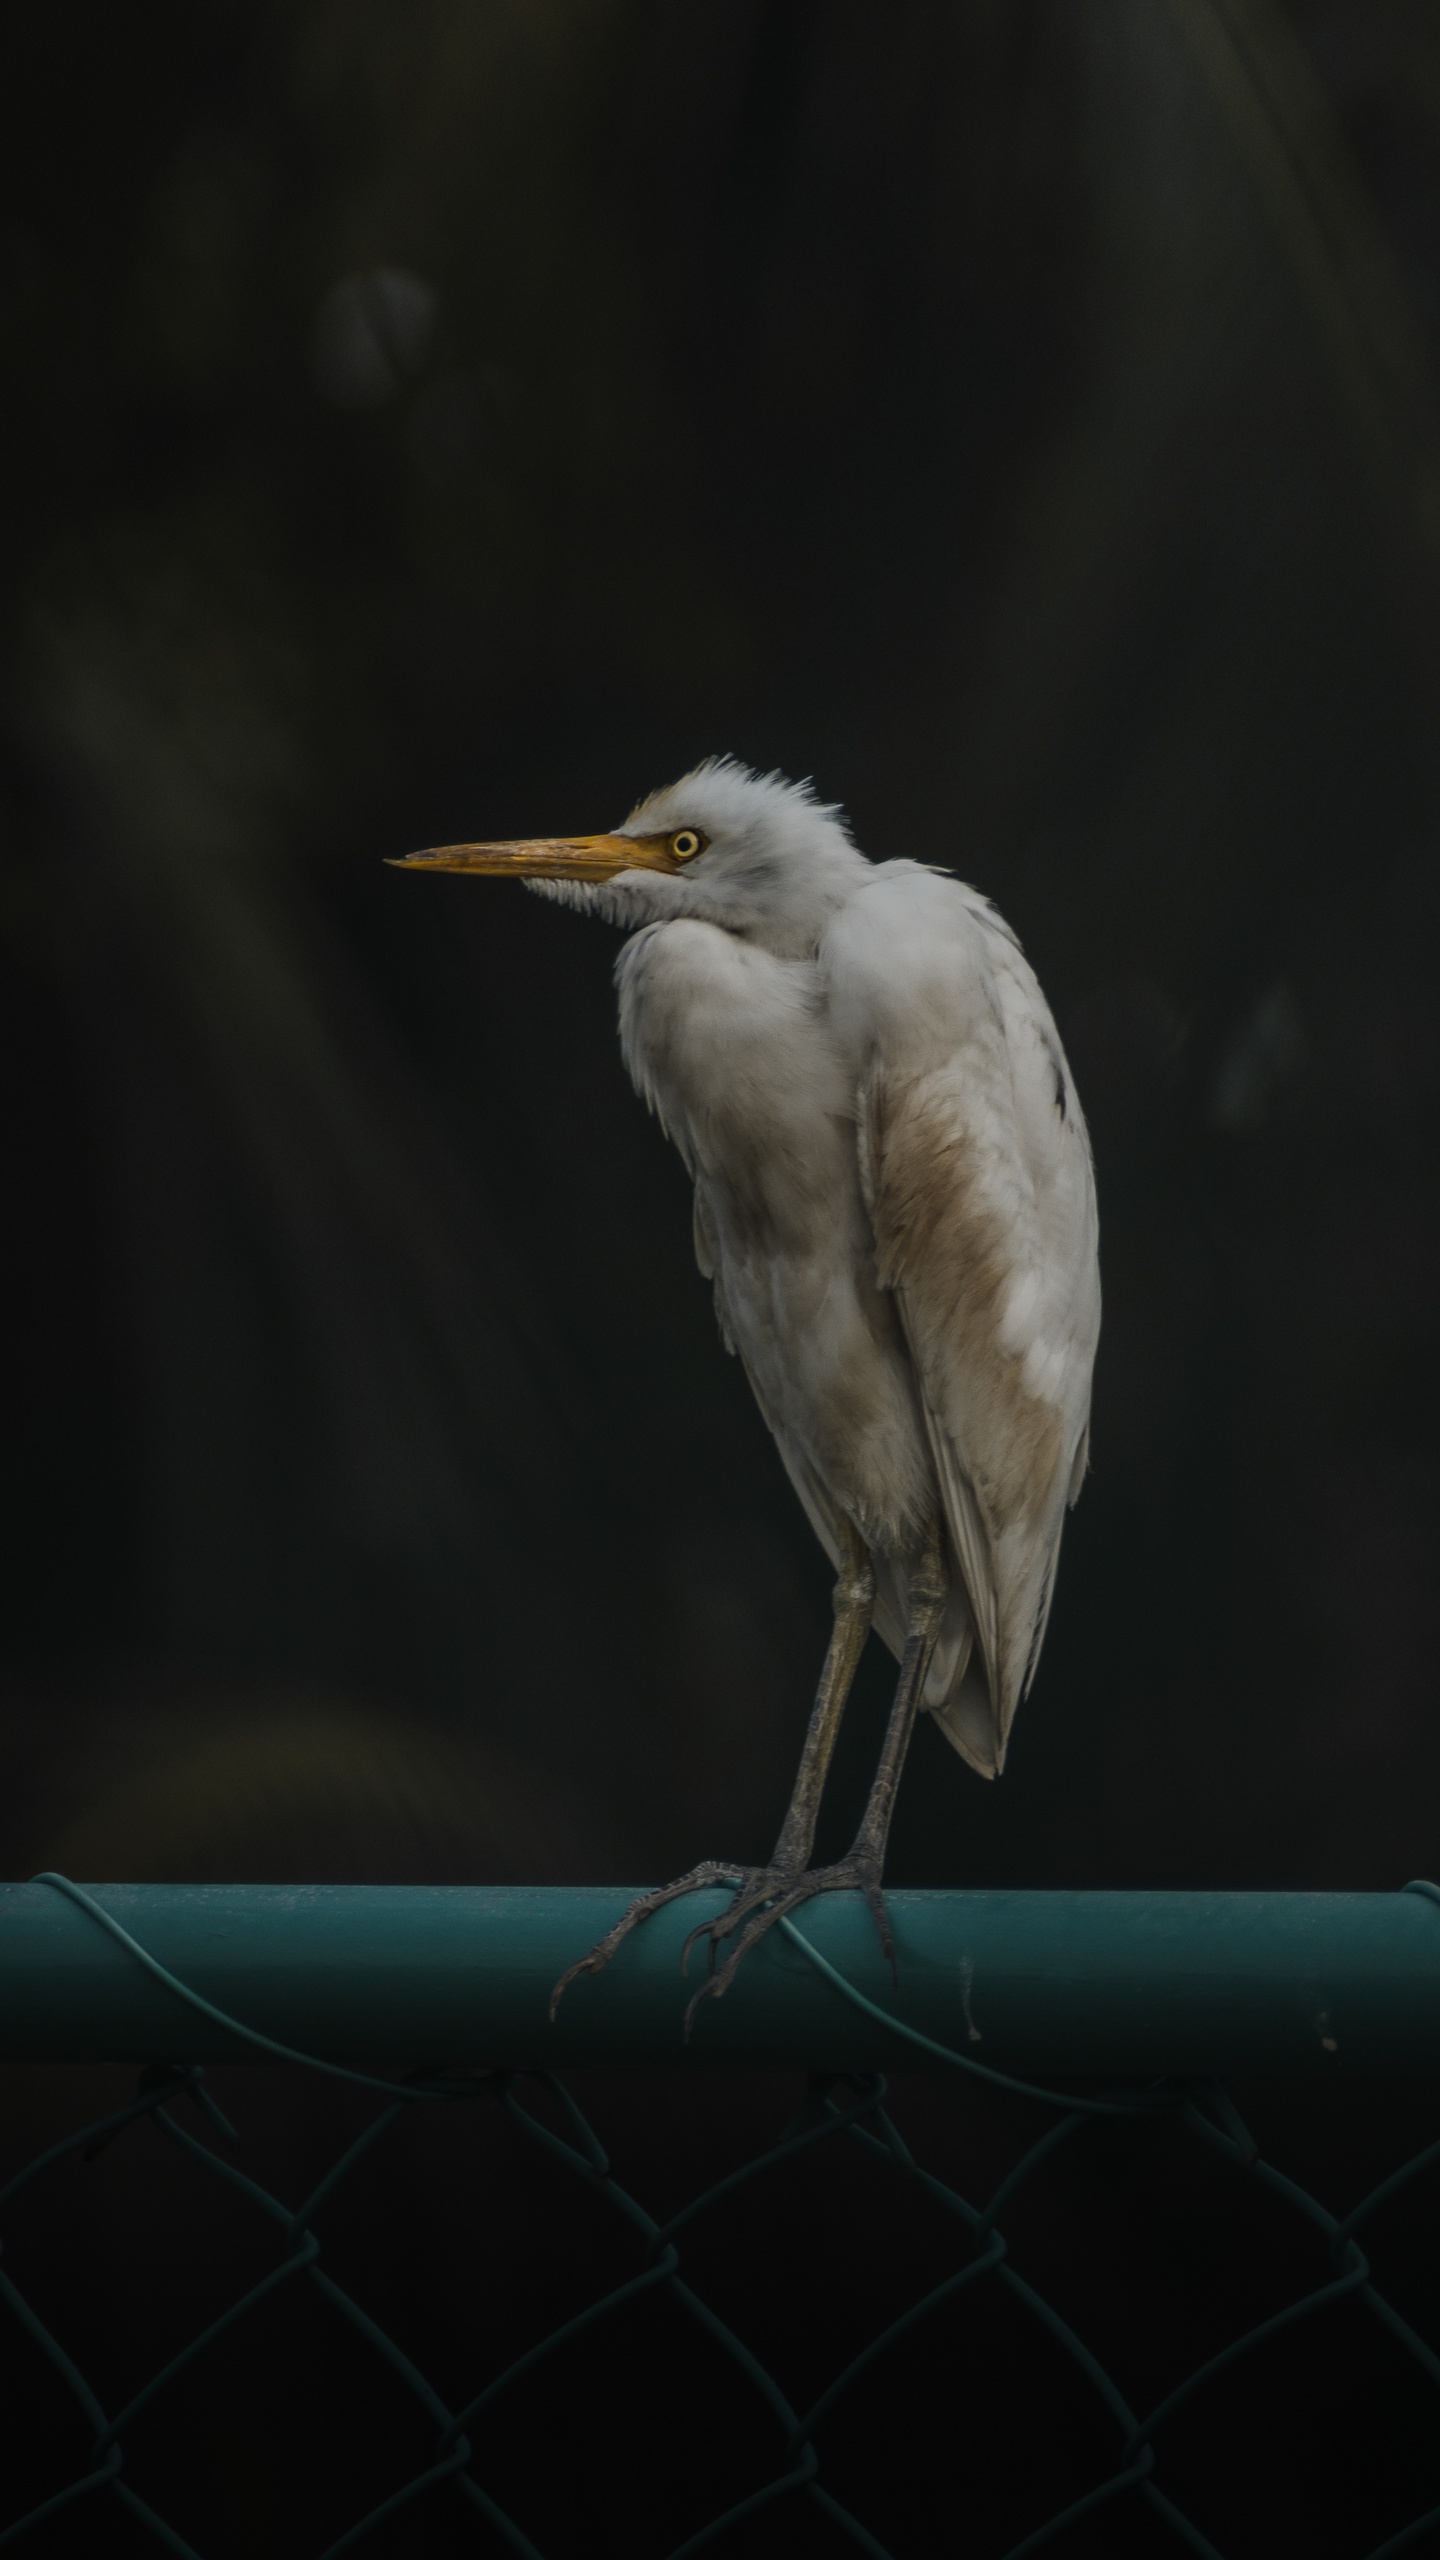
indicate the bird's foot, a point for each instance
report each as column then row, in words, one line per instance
column 709, row 1871
column 769, row 1894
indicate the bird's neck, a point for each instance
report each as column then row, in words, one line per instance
column 780, row 904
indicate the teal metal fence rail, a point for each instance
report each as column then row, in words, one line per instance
column 1141, row 2007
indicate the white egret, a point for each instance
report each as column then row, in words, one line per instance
column 895, row 1202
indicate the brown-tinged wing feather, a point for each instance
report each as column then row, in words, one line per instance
column 978, row 1179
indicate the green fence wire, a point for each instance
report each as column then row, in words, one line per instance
column 1290, row 1979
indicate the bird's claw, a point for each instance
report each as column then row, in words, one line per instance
column 763, row 1895
column 766, row 1896
column 710, row 1871
column 753, row 1886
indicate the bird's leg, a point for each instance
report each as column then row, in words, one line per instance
column 863, row 1863
column 866, row 1853
column 854, row 1604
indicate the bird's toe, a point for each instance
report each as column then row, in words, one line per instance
column 769, row 1897
column 755, row 1887
column 710, row 1871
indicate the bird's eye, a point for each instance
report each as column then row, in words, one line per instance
column 686, row 845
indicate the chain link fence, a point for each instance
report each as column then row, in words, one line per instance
column 659, row 2317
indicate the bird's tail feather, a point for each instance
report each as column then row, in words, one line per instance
column 967, row 1720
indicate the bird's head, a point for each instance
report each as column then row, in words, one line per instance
column 751, row 852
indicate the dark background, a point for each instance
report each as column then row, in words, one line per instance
column 457, row 419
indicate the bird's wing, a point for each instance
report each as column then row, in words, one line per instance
column 977, row 1175
column 816, row 1499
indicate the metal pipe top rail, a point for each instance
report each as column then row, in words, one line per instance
column 1057, row 1983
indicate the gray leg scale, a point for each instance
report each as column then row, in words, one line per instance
column 766, row 1894
column 854, row 1605
column 762, row 1901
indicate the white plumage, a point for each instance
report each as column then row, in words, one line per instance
column 894, row 1201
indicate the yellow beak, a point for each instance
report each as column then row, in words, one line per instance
column 548, row 857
